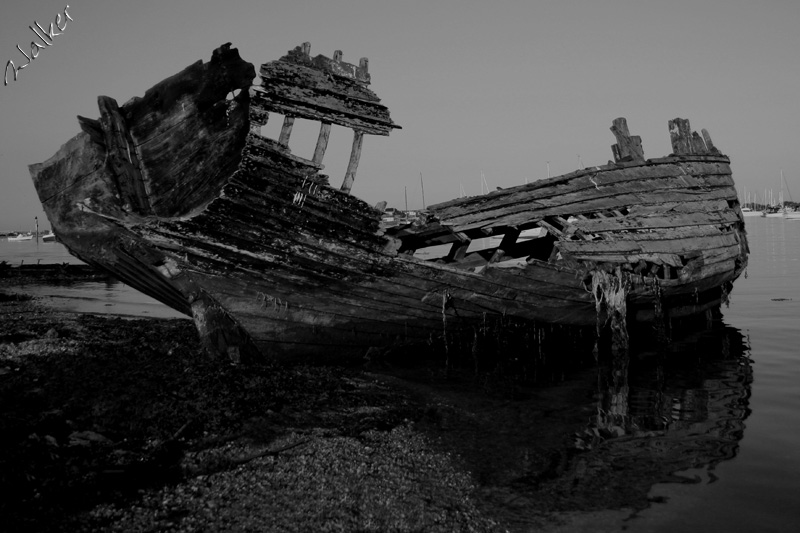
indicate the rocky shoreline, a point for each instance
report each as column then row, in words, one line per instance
column 117, row 424
column 114, row 424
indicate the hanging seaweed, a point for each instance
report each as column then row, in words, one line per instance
column 610, row 290
column 661, row 320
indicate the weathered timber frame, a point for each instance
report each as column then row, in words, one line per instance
column 329, row 91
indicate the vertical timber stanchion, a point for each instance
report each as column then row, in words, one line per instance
column 286, row 131
column 322, row 142
column 355, row 155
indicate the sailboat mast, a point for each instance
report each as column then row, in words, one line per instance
column 422, row 185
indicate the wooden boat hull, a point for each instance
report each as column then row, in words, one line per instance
column 180, row 196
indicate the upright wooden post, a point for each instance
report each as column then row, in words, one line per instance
column 355, row 155
column 322, row 142
column 680, row 133
column 459, row 248
column 286, row 131
column 628, row 147
column 509, row 240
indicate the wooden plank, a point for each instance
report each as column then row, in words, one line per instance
column 508, row 241
column 665, row 233
column 459, row 248
column 698, row 144
column 680, row 133
column 317, row 80
column 668, row 220
column 292, row 261
column 322, row 142
column 587, row 178
column 93, row 128
column 471, row 285
column 709, row 144
column 697, row 206
column 307, row 283
column 288, row 99
column 286, row 131
column 188, row 136
column 523, row 214
column 599, row 183
column 655, row 188
column 443, row 273
column 336, row 66
column 585, row 249
column 628, row 148
column 123, row 158
column 352, row 165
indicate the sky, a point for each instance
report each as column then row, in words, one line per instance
column 498, row 89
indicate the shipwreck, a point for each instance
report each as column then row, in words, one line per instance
column 178, row 194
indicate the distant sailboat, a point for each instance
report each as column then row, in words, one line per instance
column 794, row 214
column 774, row 209
column 748, row 208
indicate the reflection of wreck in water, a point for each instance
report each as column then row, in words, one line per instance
column 600, row 437
column 687, row 410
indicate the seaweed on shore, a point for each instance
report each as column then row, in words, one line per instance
column 100, row 415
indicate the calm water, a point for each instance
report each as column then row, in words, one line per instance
column 717, row 415
column 759, row 489
column 721, row 408
column 107, row 298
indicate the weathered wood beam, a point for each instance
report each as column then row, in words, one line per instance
column 220, row 334
column 628, row 147
column 551, row 228
column 322, row 142
column 634, row 192
column 317, row 104
column 584, row 249
column 93, row 128
column 665, row 220
column 459, row 248
column 698, row 144
column 286, row 131
column 709, row 145
column 509, row 240
column 309, row 77
column 704, row 174
column 352, row 166
column 122, row 157
column 680, row 133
